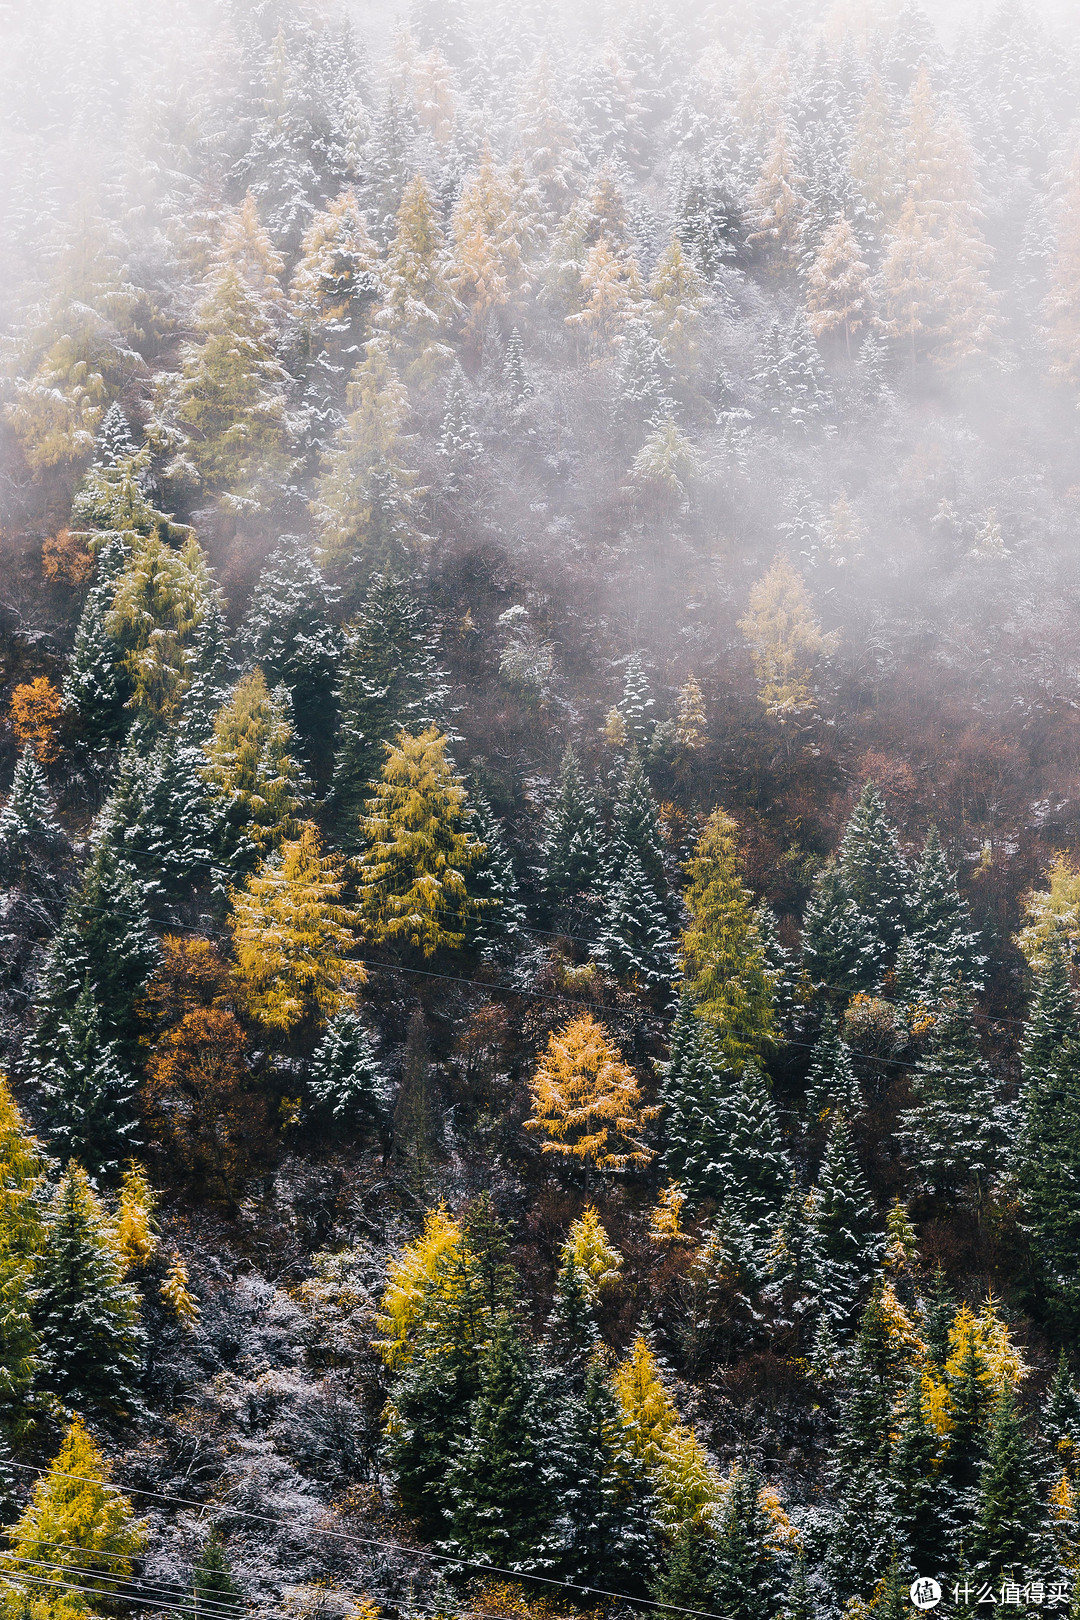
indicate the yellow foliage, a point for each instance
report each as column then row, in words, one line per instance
column 665, row 1223
column 35, row 711
column 784, row 1533
column 255, row 783
column 1051, row 912
column 685, row 1482
column 418, row 849
column 161, row 600
column 691, row 725
column 290, row 934
column 1004, row 1366
column 937, row 1403
column 586, row 1099
column 134, row 1231
column 423, row 1269
column 610, row 291
column 898, row 1324
column 176, row 1292
column 587, row 1245
column 786, row 642
column 1062, row 1499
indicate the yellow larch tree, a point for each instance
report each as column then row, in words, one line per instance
column 490, row 234
column 777, row 206
column 551, row 147
column 838, row 290
column 420, row 1280
column 35, row 713
column 431, row 84
column 136, row 1240
column 418, row 849
column 418, row 302
column 786, row 642
column 586, row 1101
column 246, row 247
column 292, row 936
column 22, row 1237
column 590, row 1249
column 687, row 1487
column 610, row 294
column 161, row 600
column 677, row 292
column 1053, row 912
column 877, row 154
column 256, row 788
column 691, row 723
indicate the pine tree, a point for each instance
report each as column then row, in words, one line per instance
column 213, row 1588
column 32, row 842
column 922, row 1499
column 114, row 443
column 605, row 1504
column 838, row 289
column 287, row 631
column 256, row 790
column 844, row 1222
column 1009, row 1514
column 500, row 1483
column 696, row 1095
column 873, row 869
column 755, row 1170
column 105, row 939
column 641, row 375
column 635, row 703
column 842, row 950
column 573, row 1334
column 749, row 1579
column 572, row 843
column 586, row 1100
column 346, row 1082
column 786, row 643
column 85, row 1313
column 957, row 1130
column 832, row 1087
column 419, row 849
column 946, row 949
column 1059, row 1424
column 635, row 942
column 292, row 936
column 635, row 828
column 792, row 1282
column 88, row 1094
column 390, row 680
column 722, row 957
column 790, row 379
column 76, row 1526
column 1049, row 1138
column 498, row 925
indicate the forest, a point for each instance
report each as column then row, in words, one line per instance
column 539, row 809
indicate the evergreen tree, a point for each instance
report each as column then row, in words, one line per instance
column 500, row 1482
column 688, row 1577
column 390, row 680
column 159, row 815
column 459, row 443
column 946, row 950
column 32, row 842
column 635, row 829
column 573, row 1335
column 88, row 1095
column 970, row 1386
column 958, row 1128
column 22, row 1237
column 288, row 633
column 722, row 955
column 842, row 950
column 515, row 371
column 635, row 703
column 874, row 871
column 755, row 1170
column 1049, row 1138
column 696, row 1096
column 213, row 1588
column 114, row 443
column 604, row 1500
column 832, row 1087
column 1060, row 1418
column 498, row 925
column 572, row 845
column 418, row 302
column 921, row 1495
column 748, row 1583
column 85, row 1313
column 844, row 1222
column 346, row 1082
column 104, row 939
column 1009, row 1515
column 96, row 684
column 635, row 941
column 790, row 380
column 419, row 849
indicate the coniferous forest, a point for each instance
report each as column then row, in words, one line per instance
column 539, row 809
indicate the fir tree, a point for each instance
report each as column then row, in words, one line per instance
column 755, row 1171
column 748, row 1582
column 515, row 372
column 573, row 1334
column 572, row 845
column 635, row 703
column 85, row 1313
column 844, row 1222
column 459, row 443
column 842, row 950
column 688, row 1577
column 96, row 683
column 159, row 815
column 957, row 1130
column 498, row 925
column 288, row 633
column 722, row 956
column 696, row 1096
column 635, row 941
column 390, row 680
column 635, row 829
column 88, row 1095
column 419, row 849
column 1008, row 1511
column 499, row 1482
column 790, row 379
column 921, row 1496
column 114, row 443
column 346, row 1082
column 1060, row 1418
column 832, row 1087
column 32, row 842
column 945, row 949
column 213, row 1588
column 874, row 871
column 605, row 1504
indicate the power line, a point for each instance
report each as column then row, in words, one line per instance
column 393, row 1546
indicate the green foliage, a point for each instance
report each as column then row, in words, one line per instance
column 698, row 1107
column 572, row 851
column 287, row 632
column 957, row 1130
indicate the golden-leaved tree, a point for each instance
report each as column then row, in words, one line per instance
column 721, row 950
column 673, row 1458
column 22, row 1237
column 292, row 936
column 256, row 788
column 418, row 849
column 586, row 1101
column 786, row 642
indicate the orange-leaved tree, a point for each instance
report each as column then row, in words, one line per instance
column 586, row 1100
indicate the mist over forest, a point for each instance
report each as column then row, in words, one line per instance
column 539, row 809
